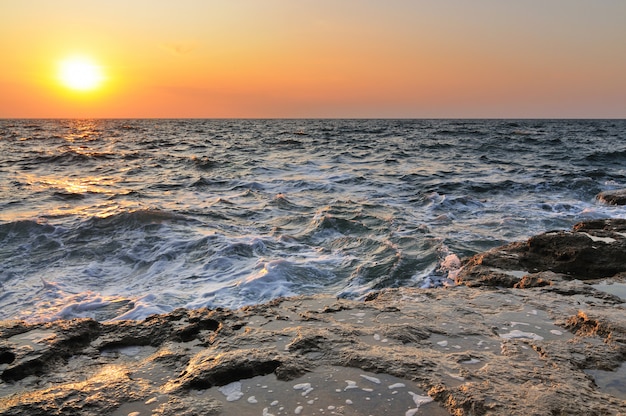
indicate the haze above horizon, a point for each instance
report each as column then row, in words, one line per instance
column 313, row 59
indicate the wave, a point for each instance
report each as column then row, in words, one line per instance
column 614, row 156
column 327, row 224
column 217, row 212
column 282, row 202
column 69, row 157
column 289, row 142
column 204, row 163
column 135, row 219
column 68, row 196
column 204, row 182
column 24, row 228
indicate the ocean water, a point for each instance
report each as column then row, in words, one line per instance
column 119, row 219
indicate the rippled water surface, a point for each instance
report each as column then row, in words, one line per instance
column 123, row 218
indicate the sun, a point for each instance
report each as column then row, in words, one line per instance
column 80, row 74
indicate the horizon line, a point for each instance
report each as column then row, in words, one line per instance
column 313, row 118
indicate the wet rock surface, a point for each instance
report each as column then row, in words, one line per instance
column 615, row 197
column 592, row 250
column 525, row 331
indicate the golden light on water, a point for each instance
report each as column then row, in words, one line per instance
column 70, row 196
column 80, row 74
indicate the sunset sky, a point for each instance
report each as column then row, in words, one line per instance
column 315, row 58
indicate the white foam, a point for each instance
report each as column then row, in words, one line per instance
column 443, row 343
column 419, row 401
column 370, row 378
column 232, row 391
column 516, row 333
column 306, row 387
column 556, row 332
column 451, row 261
column 140, row 311
column 397, row 386
column 298, row 410
column 252, row 400
column 351, row 385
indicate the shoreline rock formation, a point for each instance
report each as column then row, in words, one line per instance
column 614, row 197
column 594, row 249
column 535, row 327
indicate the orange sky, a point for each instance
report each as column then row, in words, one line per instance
column 317, row 58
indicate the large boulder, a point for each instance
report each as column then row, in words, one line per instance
column 592, row 250
column 615, row 197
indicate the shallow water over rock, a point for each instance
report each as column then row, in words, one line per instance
column 611, row 382
column 614, row 288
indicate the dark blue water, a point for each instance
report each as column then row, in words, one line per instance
column 123, row 218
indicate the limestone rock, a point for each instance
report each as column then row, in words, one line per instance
column 615, row 197
column 592, row 250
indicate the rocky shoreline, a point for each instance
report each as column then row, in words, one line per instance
column 535, row 327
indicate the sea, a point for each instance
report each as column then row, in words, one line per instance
column 120, row 219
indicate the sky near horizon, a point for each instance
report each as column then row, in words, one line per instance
column 316, row 58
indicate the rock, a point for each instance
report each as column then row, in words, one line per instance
column 518, row 335
column 474, row 351
column 535, row 280
column 592, row 250
column 615, row 197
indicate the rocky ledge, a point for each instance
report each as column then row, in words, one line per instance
column 614, row 197
column 535, row 327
